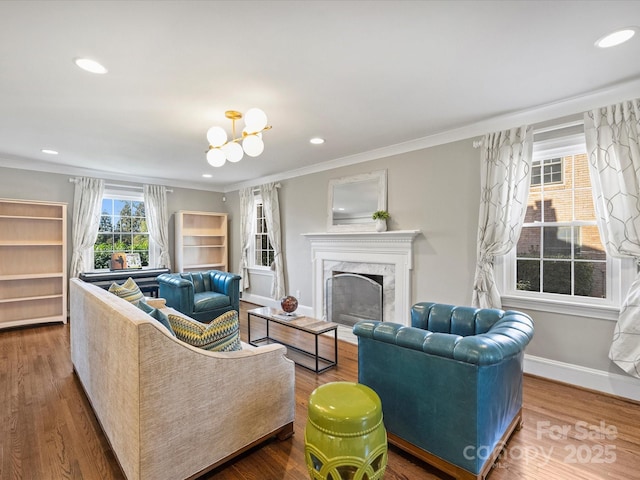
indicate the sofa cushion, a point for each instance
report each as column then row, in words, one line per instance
column 221, row 335
column 157, row 314
column 129, row 291
column 204, row 301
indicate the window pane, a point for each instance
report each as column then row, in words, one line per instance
column 584, row 205
column 107, row 206
column 591, row 279
column 137, row 209
column 556, row 277
column 581, row 173
column 104, row 241
column 588, row 244
column 557, row 242
column 558, row 206
column 534, row 207
column 529, row 242
column 124, row 224
column 120, row 206
column 528, row 276
column 106, row 224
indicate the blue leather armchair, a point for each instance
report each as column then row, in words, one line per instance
column 450, row 385
column 201, row 295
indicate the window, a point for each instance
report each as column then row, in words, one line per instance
column 263, row 251
column 559, row 263
column 548, row 170
column 559, row 250
column 123, row 228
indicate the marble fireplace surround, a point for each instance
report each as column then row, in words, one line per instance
column 389, row 254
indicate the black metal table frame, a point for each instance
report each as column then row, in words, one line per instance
column 316, row 356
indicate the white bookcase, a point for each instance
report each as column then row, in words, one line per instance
column 33, row 262
column 201, row 241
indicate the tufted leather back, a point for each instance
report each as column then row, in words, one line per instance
column 463, row 321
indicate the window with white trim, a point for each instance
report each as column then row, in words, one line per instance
column 262, row 251
column 559, row 258
column 123, row 228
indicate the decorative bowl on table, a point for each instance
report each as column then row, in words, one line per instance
column 289, row 304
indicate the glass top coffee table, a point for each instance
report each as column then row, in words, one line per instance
column 310, row 360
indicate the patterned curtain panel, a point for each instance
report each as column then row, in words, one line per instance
column 155, row 207
column 612, row 135
column 505, row 178
column 246, row 219
column 87, row 203
column 271, row 205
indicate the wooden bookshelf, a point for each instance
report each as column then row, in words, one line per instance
column 201, row 241
column 33, row 262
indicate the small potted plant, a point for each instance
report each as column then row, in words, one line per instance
column 381, row 216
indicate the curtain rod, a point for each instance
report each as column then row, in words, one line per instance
column 536, row 131
column 257, row 189
column 115, row 185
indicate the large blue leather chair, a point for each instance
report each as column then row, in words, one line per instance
column 450, row 385
column 201, row 295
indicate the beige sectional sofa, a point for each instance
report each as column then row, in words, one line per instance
column 169, row 410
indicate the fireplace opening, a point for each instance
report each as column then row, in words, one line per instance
column 352, row 297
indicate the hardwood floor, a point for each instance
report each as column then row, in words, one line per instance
column 48, row 429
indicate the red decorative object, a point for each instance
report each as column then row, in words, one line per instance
column 289, row 304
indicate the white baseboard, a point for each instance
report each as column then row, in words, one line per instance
column 602, row 381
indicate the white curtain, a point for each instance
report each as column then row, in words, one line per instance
column 612, row 135
column 246, row 221
column 87, row 205
column 155, row 206
column 505, row 180
column 269, row 193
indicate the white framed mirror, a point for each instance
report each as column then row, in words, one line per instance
column 353, row 199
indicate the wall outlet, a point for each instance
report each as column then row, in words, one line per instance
column 298, row 294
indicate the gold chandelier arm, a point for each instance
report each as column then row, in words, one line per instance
column 236, row 140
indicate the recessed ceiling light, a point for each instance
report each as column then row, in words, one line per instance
column 49, row 151
column 90, row 65
column 317, row 141
column 616, row 38
column 207, row 175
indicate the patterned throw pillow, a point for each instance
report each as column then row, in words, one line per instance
column 159, row 315
column 221, row 335
column 129, row 290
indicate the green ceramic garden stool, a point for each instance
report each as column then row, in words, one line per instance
column 345, row 438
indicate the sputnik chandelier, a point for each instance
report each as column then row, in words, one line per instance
column 221, row 149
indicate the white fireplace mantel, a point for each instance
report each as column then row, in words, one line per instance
column 394, row 249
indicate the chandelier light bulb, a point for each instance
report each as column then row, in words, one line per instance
column 216, row 136
column 255, row 120
column 253, row 145
column 216, row 157
column 233, row 151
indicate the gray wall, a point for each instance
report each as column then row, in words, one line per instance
column 437, row 191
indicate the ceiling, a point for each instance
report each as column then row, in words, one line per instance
column 364, row 75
